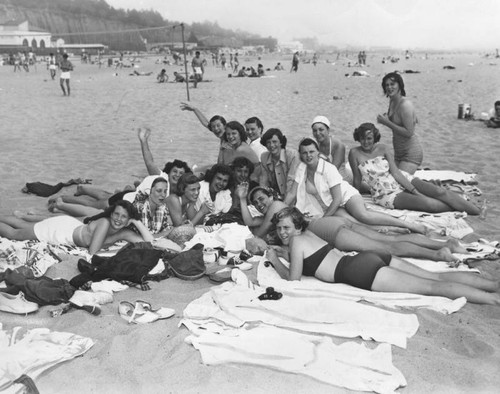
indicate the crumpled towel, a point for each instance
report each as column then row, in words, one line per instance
column 349, row 364
column 39, row 350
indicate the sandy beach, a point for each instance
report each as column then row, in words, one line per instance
column 93, row 134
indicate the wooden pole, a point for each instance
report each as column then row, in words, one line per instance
column 185, row 62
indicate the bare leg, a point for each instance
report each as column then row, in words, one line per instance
column 73, row 209
column 92, row 191
column 467, row 278
column 390, row 279
column 85, row 201
column 16, row 229
column 448, row 197
column 356, row 207
column 416, row 239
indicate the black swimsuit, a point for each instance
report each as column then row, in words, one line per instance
column 311, row 263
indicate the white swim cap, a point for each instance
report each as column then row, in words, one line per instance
column 321, row 119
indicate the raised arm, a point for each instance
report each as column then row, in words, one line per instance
column 151, row 166
column 242, row 193
column 202, row 118
column 145, row 234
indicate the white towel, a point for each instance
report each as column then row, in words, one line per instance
column 349, row 365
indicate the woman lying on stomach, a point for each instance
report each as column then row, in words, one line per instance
column 309, row 255
column 96, row 232
column 374, row 168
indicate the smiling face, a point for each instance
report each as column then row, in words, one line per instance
column 119, row 218
column 158, row 193
column 367, row 141
column 320, row 132
column 261, row 201
column 309, row 155
column 241, row 174
column 192, row 192
column 219, row 183
column 233, row 137
column 218, row 128
column 273, row 145
column 286, row 230
column 253, row 131
column 391, row 87
column 174, row 175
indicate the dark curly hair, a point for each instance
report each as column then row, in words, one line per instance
column 364, row 129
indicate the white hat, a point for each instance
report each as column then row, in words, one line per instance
column 321, row 119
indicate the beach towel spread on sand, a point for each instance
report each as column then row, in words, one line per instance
column 31, row 355
column 230, row 324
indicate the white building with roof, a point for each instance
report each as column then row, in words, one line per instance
column 19, row 34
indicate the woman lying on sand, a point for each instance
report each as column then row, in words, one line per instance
column 401, row 119
column 343, row 233
column 309, row 255
column 373, row 164
column 151, row 208
column 319, row 191
column 96, row 232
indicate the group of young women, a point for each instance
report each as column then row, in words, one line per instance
column 328, row 210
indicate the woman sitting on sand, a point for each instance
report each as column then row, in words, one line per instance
column 374, row 168
column 332, row 148
column 319, row 191
column 278, row 164
column 236, row 137
column 309, row 255
column 401, row 119
column 99, row 231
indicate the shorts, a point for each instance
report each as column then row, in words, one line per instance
column 57, row 230
column 197, row 70
column 360, row 270
column 65, row 75
column 347, row 192
column 52, row 67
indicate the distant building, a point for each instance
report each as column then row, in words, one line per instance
column 290, row 47
column 15, row 34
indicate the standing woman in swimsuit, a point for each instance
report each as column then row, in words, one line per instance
column 309, row 255
column 94, row 233
column 374, row 168
column 401, row 119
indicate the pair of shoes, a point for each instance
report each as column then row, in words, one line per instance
column 142, row 312
column 16, row 304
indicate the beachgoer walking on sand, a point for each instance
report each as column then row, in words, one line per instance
column 223, row 61
column 66, row 66
column 295, row 62
column 52, row 66
column 401, row 119
column 198, row 68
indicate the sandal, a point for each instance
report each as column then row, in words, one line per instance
column 163, row 313
column 140, row 314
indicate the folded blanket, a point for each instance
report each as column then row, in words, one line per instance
column 455, row 176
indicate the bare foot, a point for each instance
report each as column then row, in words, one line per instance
column 79, row 190
column 455, row 246
column 417, row 228
column 54, row 205
column 444, row 254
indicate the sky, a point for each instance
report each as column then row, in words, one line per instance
column 406, row 24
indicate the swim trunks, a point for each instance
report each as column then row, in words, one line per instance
column 57, row 230
column 65, row 75
column 311, row 263
column 360, row 270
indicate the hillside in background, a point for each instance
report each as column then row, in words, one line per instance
column 73, row 20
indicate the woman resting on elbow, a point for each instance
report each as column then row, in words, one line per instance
column 263, row 200
column 374, row 168
column 320, row 191
column 309, row 255
column 96, row 232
